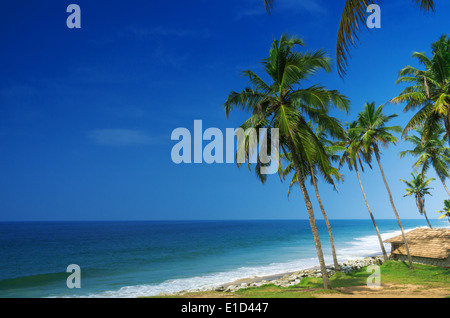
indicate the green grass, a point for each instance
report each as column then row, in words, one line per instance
column 399, row 273
column 392, row 272
column 307, row 288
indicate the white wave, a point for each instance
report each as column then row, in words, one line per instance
column 358, row 248
column 207, row 281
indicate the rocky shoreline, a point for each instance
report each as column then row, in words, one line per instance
column 286, row 279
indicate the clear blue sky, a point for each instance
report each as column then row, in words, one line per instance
column 86, row 114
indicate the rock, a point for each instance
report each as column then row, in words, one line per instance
column 285, row 278
column 346, row 269
column 296, row 277
column 231, row 288
column 296, row 282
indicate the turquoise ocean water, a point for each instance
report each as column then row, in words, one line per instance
column 130, row 259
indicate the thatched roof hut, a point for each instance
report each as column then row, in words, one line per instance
column 426, row 246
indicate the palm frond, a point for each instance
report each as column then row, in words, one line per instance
column 353, row 17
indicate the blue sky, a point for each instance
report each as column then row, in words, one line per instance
column 86, row 114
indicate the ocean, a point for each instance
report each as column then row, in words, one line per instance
column 145, row 258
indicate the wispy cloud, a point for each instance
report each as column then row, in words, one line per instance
column 250, row 13
column 121, row 137
column 170, row 58
column 168, row 32
column 161, row 52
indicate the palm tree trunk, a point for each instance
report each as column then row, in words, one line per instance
column 383, row 250
column 420, row 202
column 325, row 217
column 443, row 183
column 447, row 125
column 425, row 214
column 312, row 220
column 395, row 211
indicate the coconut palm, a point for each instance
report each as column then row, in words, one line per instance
column 418, row 187
column 446, row 210
column 287, row 105
column 428, row 90
column 353, row 155
column 431, row 152
column 353, row 19
column 375, row 133
column 328, row 176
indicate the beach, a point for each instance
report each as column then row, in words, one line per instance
column 286, row 279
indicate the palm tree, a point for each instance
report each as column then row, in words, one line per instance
column 353, row 19
column 418, row 187
column 284, row 103
column 371, row 124
column 446, row 210
column 353, row 155
column 331, row 150
column 429, row 90
column 431, row 152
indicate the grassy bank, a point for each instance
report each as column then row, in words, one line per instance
column 396, row 281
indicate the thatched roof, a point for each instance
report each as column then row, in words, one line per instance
column 424, row 242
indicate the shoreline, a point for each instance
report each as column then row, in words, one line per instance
column 275, row 277
column 285, row 279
